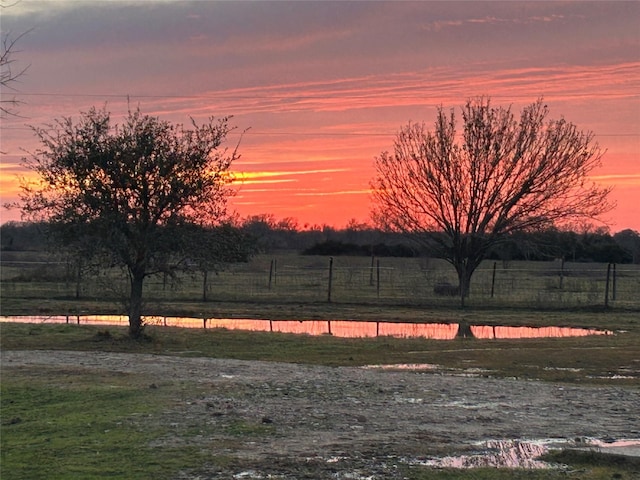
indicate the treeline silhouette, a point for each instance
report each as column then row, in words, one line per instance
column 270, row 236
column 337, row 247
column 539, row 246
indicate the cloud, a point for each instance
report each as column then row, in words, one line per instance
column 337, row 192
column 325, row 86
column 492, row 21
column 625, row 179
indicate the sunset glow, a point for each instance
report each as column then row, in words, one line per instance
column 318, row 89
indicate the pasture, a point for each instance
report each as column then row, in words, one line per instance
column 87, row 401
column 34, row 282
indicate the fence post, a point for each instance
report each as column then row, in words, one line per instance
column 371, row 271
column 606, row 286
column 493, row 279
column 613, row 287
column 330, row 278
column 378, row 278
column 561, row 272
column 270, row 273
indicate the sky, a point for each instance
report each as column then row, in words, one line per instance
column 323, row 87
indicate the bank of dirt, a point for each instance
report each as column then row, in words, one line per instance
column 276, row 420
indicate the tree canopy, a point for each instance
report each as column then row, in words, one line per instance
column 128, row 187
column 462, row 193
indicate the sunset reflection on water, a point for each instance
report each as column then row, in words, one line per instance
column 488, row 331
column 337, row 328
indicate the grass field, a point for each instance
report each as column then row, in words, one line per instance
column 79, row 426
column 66, row 423
column 296, row 278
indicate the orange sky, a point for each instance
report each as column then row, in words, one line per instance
column 323, row 87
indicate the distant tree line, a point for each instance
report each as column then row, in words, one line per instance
column 337, row 247
column 590, row 246
column 263, row 234
column 227, row 243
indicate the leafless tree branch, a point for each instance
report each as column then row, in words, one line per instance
column 8, row 74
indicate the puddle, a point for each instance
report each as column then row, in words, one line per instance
column 428, row 367
column 404, row 366
column 496, row 454
column 338, row 328
column 620, row 447
column 526, row 453
column 522, row 453
column 489, row 331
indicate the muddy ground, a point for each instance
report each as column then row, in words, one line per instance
column 277, row 420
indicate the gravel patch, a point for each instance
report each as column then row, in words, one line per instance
column 277, row 420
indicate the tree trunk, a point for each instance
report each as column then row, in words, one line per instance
column 135, row 304
column 465, row 271
column 464, row 330
column 464, row 280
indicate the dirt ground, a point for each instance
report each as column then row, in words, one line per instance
column 277, row 420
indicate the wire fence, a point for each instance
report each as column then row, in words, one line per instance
column 355, row 280
column 434, row 282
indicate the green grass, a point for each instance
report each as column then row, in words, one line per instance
column 59, row 424
column 573, row 360
column 580, row 471
column 68, row 424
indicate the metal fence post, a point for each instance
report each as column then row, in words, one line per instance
column 493, row 278
column 270, row 273
column 606, row 286
column 371, row 271
column 330, row 278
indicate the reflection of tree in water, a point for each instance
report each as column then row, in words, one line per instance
column 464, row 330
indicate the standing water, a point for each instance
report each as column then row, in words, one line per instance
column 338, row 328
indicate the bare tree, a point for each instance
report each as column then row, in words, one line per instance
column 8, row 74
column 463, row 194
column 130, row 188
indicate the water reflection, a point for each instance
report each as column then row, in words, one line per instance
column 404, row 366
column 526, row 453
column 488, row 331
column 338, row 328
column 497, row 454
